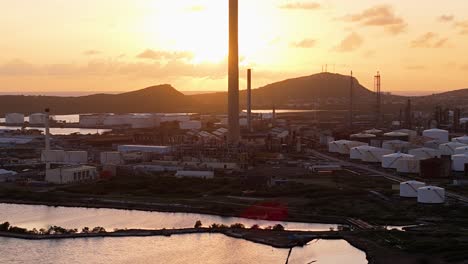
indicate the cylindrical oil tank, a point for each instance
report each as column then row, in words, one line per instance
column 459, row 161
column 448, row 149
column 14, row 119
column 409, row 189
column 438, row 134
column 431, row 195
column 390, row 161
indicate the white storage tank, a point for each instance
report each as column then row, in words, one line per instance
column 375, row 155
column 92, row 121
column 116, row 120
column 409, row 132
column 390, row 161
column 345, row 147
column 144, row 149
column 334, row 146
column 463, row 140
column 438, row 134
column 111, row 158
column 409, row 165
column 362, row 137
column 14, row 119
column 374, row 131
column 461, row 150
column 448, row 149
column 357, row 153
column 431, row 195
column 425, row 153
column 76, row 157
column 37, row 119
column 53, row 156
column 396, row 145
column 409, row 189
column 190, row 125
column 459, row 161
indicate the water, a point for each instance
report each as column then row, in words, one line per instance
column 193, row 249
column 62, row 131
column 61, row 118
column 34, row 216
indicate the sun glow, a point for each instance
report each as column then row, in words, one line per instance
column 202, row 29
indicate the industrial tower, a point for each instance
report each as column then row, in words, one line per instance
column 233, row 77
column 378, row 92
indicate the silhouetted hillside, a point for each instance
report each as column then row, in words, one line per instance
column 161, row 98
column 322, row 86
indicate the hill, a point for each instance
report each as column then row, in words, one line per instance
column 322, row 86
column 161, row 98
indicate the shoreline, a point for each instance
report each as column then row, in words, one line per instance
column 165, row 208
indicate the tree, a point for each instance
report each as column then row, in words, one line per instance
column 238, row 226
column 198, row 224
column 255, row 227
column 85, row 230
column 98, row 229
column 4, row 227
column 278, row 227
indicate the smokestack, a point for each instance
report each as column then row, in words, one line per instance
column 249, row 99
column 351, row 102
column 233, row 78
column 47, row 137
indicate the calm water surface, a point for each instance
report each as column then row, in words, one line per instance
column 183, row 249
column 35, row 216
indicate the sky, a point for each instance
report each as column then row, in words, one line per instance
column 419, row 46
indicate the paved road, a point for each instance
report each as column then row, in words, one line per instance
column 388, row 176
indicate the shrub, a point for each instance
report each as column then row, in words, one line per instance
column 198, row 224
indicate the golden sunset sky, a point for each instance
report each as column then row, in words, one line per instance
column 122, row 45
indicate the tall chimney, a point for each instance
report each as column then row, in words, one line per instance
column 351, row 102
column 233, row 78
column 47, row 137
column 249, row 99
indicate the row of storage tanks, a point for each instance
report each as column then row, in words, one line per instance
column 19, row 119
column 424, row 194
column 403, row 155
column 138, row 121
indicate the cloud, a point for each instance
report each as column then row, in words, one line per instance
column 379, row 16
column 164, row 55
column 429, row 40
column 464, row 67
column 416, row 67
column 301, row 5
column 352, row 42
column 111, row 68
column 463, row 27
column 446, row 18
column 91, row 52
column 196, row 8
column 305, row 43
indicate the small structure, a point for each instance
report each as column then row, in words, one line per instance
column 345, row 147
column 438, row 134
column 71, row 174
column 190, row 125
column 425, row 153
column 76, row 157
column 409, row 189
column 6, row 174
column 54, row 156
column 411, row 133
column 459, row 161
column 111, row 158
column 144, row 149
column 363, row 137
column 195, row 174
column 431, row 195
column 390, row 161
column 374, row 131
column 448, row 149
